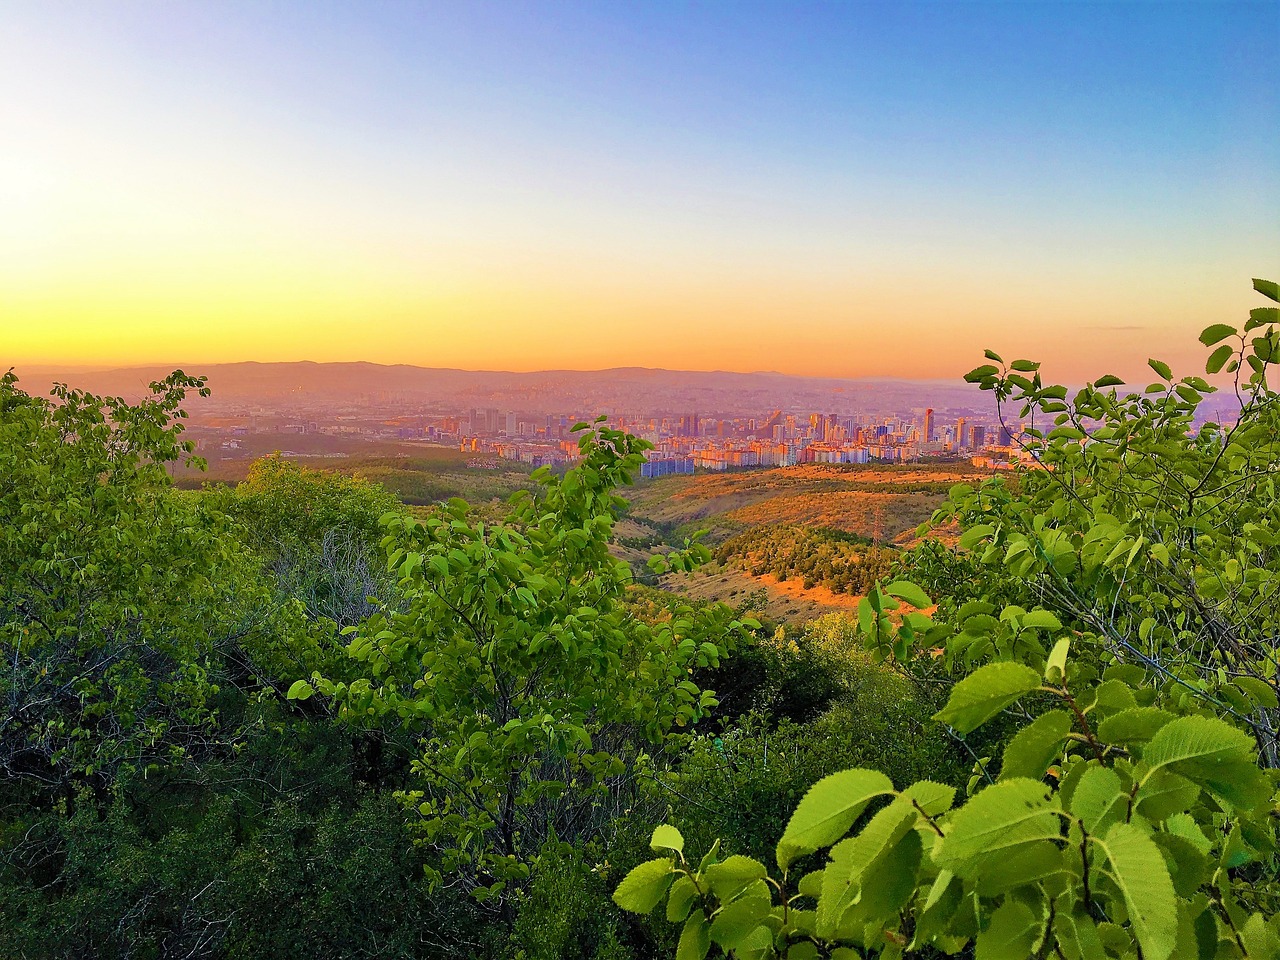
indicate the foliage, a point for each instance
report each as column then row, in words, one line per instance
column 842, row 562
column 527, row 682
column 1128, row 815
column 118, row 600
column 318, row 532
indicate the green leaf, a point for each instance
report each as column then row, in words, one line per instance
column 1211, row 752
column 1135, row 725
column 1216, row 333
column 642, row 888
column 978, row 374
column 1024, row 366
column 1137, row 867
column 731, row 876
column 735, row 921
column 1034, row 747
column 1099, row 799
column 1000, row 817
column 695, row 938
column 1055, row 667
column 1108, row 381
column 828, row 810
column 1268, row 288
column 1161, row 368
column 985, row 692
column 1218, row 359
column 1042, row 619
column 300, row 690
column 667, row 837
column 683, row 893
column 1012, row 934
column 909, row 592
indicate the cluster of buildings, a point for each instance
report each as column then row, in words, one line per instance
column 688, row 442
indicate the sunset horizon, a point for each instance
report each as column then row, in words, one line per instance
column 823, row 191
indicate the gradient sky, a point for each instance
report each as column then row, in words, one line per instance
column 828, row 189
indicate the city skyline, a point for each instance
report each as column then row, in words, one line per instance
column 855, row 190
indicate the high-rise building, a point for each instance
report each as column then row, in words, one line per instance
column 977, row 436
column 928, row 425
column 960, row 437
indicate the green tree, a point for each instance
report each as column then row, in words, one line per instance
column 118, row 599
column 528, row 683
column 1129, row 633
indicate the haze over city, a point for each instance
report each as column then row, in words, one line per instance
column 838, row 190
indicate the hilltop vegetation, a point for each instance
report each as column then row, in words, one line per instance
column 297, row 718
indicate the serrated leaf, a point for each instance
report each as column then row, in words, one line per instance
column 735, row 921
column 985, row 692
column 1099, row 799
column 1108, row 381
column 1218, row 359
column 1161, row 368
column 997, row 818
column 828, row 810
column 978, row 374
column 1035, row 746
column 909, row 592
column 1216, row 333
column 1213, row 753
column 666, row 837
column 1011, row 935
column 731, row 876
column 1136, row 725
column 1268, row 288
column 1135, row 864
column 695, row 938
column 680, row 900
column 642, row 888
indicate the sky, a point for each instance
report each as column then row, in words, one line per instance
column 828, row 189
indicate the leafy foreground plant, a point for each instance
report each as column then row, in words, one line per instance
column 529, row 686
column 1128, row 816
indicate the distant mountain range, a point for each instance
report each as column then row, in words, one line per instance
column 619, row 389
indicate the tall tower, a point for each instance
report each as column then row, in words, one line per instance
column 960, row 437
column 928, row 425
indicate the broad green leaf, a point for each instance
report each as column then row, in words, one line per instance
column 734, row 921
column 666, row 837
column 998, row 818
column 1108, row 381
column 1035, row 746
column 642, row 888
column 1042, row 619
column 1164, row 794
column 1136, row 725
column 985, row 692
column 978, row 374
column 731, row 876
column 934, row 799
column 1012, row 934
column 851, row 858
column 1216, row 333
column 1268, row 288
column 1161, row 368
column 1135, row 864
column 908, row 591
column 680, row 901
column 1211, row 752
column 828, row 810
column 1218, row 359
column 1099, row 799
column 695, row 938
column 1028, row 864
column 300, row 690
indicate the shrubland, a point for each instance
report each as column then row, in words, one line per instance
column 295, row 717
